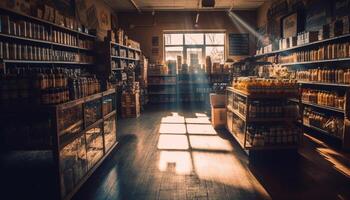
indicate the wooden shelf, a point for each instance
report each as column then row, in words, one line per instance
column 324, row 84
column 272, row 147
column 44, row 42
column 45, row 62
column 126, row 47
column 256, row 95
column 324, row 107
column 38, row 20
column 236, row 112
column 321, row 131
column 124, row 58
column 304, row 45
column 316, row 62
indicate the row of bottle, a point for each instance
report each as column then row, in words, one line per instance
column 266, row 136
column 14, row 51
column 23, row 29
column 46, row 86
column 58, row 55
column 331, row 124
column 325, row 75
column 266, row 86
column 36, row 31
column 327, row 52
column 265, row 110
column 325, row 98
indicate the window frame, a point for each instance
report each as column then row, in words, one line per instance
column 202, row 46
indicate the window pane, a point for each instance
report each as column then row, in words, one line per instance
column 171, row 53
column 173, row 39
column 216, row 54
column 215, row 38
column 194, row 38
column 194, row 57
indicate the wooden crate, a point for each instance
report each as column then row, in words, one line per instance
column 130, row 105
column 130, row 99
column 130, row 111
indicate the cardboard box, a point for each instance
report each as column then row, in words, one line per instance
column 218, row 117
column 218, row 100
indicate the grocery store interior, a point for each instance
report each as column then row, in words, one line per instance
column 174, row 99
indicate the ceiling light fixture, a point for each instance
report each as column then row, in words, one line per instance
column 208, row 3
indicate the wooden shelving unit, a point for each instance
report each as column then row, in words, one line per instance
column 48, row 44
column 320, row 42
column 164, row 90
column 238, row 123
column 106, row 57
column 343, row 88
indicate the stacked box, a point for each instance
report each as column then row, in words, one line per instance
column 130, row 105
column 217, row 69
column 133, row 44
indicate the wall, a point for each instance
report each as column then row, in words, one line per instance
column 101, row 20
column 315, row 13
column 146, row 26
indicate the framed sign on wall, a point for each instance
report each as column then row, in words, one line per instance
column 238, row 44
column 290, row 25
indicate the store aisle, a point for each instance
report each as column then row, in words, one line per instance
column 178, row 155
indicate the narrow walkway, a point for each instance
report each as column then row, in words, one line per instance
column 178, row 155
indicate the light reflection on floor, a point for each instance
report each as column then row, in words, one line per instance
column 201, row 151
column 332, row 156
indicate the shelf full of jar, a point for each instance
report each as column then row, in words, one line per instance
column 70, row 25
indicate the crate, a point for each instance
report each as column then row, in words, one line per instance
column 130, row 105
column 130, row 99
column 130, row 111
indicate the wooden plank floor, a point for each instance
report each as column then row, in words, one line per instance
column 172, row 154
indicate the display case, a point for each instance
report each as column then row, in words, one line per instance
column 94, row 145
column 110, row 129
column 262, row 120
column 92, row 111
column 80, row 134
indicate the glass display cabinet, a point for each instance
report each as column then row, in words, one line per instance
column 80, row 134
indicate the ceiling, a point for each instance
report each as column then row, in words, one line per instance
column 177, row 5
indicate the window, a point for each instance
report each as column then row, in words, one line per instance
column 194, row 38
column 194, row 47
column 173, row 52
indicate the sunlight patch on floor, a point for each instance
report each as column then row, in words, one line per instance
column 201, row 115
column 181, row 160
column 206, row 129
column 173, row 119
column 213, row 143
column 174, row 142
column 172, row 128
column 221, row 168
column 200, row 120
column 335, row 158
